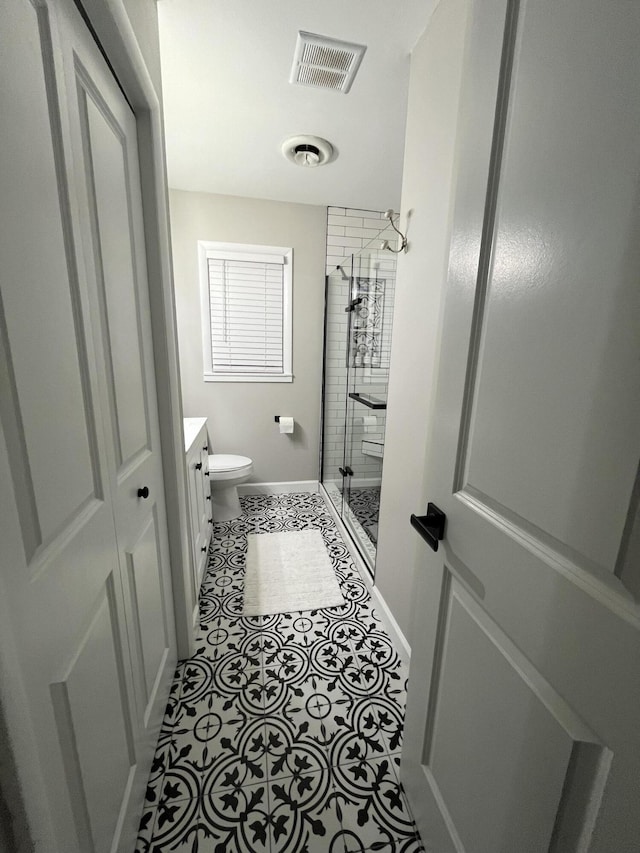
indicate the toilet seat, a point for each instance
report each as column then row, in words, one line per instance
column 226, row 466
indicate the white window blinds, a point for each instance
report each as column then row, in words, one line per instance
column 246, row 299
column 248, row 308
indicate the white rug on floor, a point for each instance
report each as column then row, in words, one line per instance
column 288, row 572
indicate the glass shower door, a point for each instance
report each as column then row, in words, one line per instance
column 367, row 376
column 336, row 344
column 358, row 325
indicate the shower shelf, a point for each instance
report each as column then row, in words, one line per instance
column 367, row 400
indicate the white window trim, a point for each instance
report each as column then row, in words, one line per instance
column 207, row 249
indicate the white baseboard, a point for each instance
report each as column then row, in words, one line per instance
column 278, row 488
column 386, row 616
column 393, row 629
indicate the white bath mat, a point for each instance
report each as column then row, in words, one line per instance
column 288, row 572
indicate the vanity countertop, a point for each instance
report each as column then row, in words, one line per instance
column 192, row 427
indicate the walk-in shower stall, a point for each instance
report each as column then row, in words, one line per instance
column 358, row 327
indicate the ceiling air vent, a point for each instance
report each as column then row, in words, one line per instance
column 325, row 63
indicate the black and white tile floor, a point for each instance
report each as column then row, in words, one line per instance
column 282, row 733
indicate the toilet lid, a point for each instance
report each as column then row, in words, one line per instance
column 227, row 462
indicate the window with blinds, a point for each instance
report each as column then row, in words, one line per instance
column 246, row 312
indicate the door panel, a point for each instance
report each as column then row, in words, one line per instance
column 94, row 725
column 521, row 726
column 52, row 459
column 527, row 757
column 555, row 388
column 148, row 609
column 106, row 163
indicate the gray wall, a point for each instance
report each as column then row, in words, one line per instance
column 241, row 413
column 436, row 67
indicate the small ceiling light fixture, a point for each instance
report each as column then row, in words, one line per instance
column 389, row 214
column 308, row 151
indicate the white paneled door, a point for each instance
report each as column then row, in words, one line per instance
column 524, row 693
column 83, row 527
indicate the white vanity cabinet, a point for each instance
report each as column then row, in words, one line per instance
column 200, row 515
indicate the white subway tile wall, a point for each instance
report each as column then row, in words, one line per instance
column 348, row 232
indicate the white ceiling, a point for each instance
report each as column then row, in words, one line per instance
column 229, row 106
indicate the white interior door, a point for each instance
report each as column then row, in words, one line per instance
column 105, row 159
column 524, row 693
column 83, row 558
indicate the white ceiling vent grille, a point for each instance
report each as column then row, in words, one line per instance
column 325, row 63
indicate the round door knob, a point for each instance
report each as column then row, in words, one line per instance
column 203, row 548
column 206, row 447
column 210, row 521
column 198, row 466
column 143, row 492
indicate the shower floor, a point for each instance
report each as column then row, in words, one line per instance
column 365, row 505
column 366, row 502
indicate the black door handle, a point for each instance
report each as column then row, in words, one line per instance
column 346, row 471
column 430, row 526
column 353, row 304
column 143, row 492
column 198, row 466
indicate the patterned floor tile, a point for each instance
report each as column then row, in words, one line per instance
column 145, row 830
column 215, row 738
column 292, row 748
column 224, row 636
column 196, row 676
column 390, row 721
column 235, row 820
column 240, row 761
column 175, row 827
column 222, row 582
column 282, row 734
column 303, row 814
column 372, row 805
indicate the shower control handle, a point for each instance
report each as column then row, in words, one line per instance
column 430, row 526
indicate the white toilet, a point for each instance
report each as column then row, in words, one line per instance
column 226, row 472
